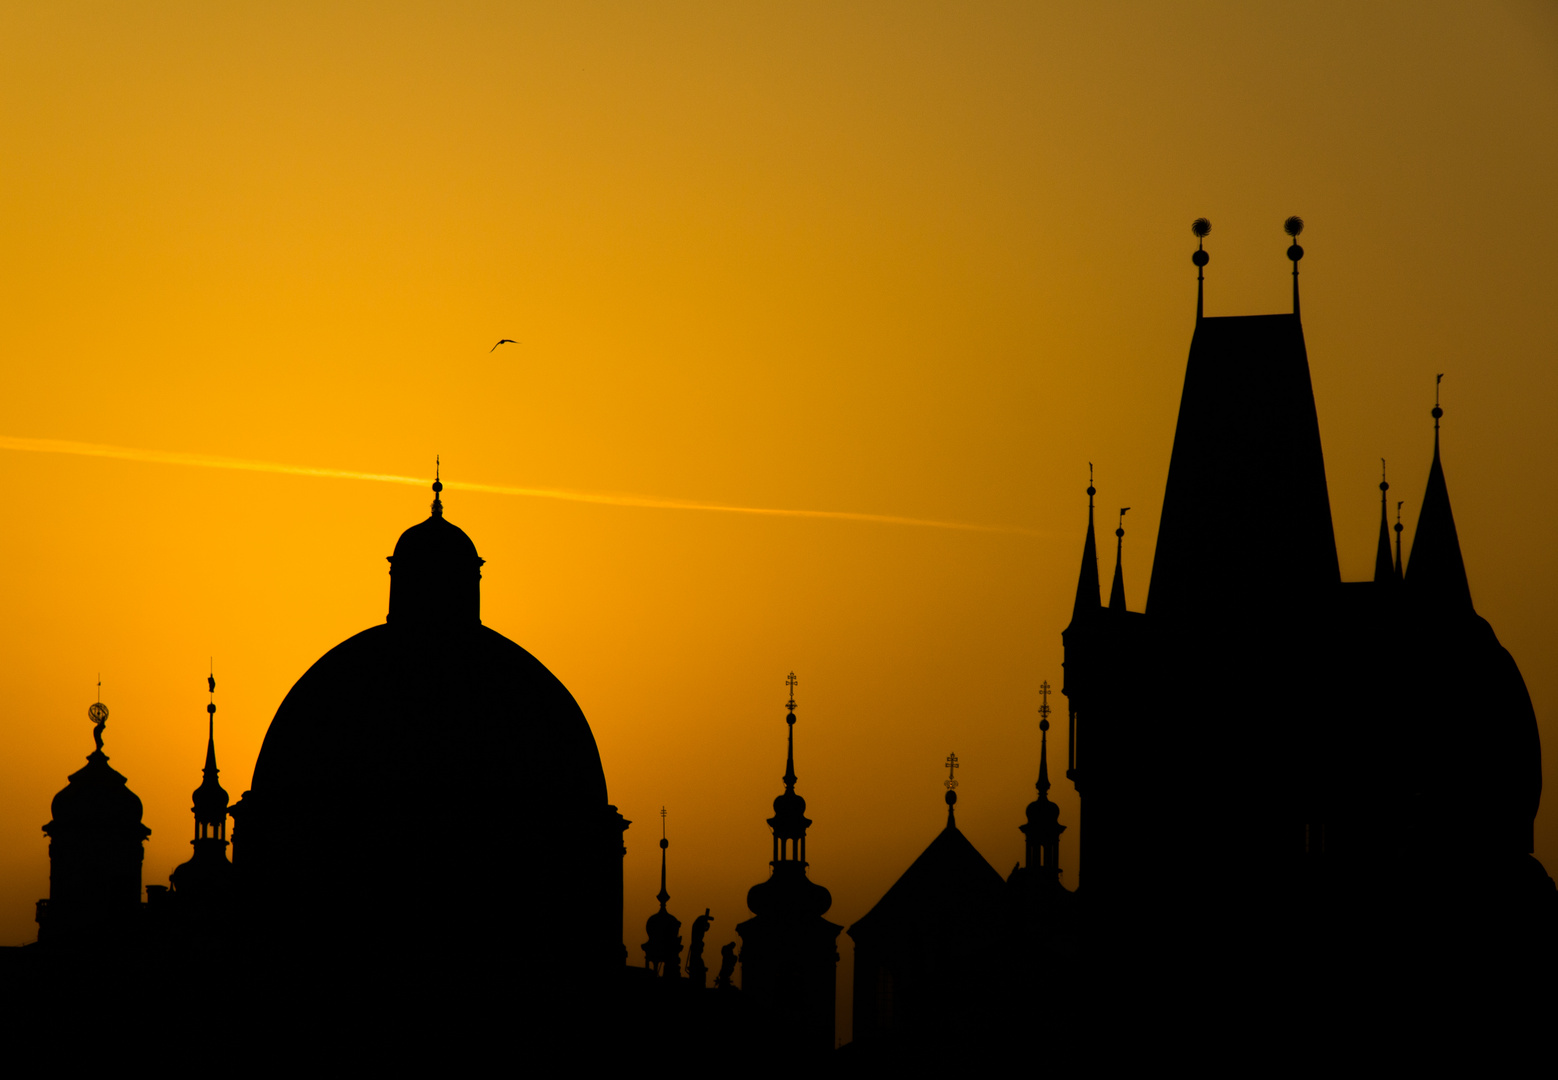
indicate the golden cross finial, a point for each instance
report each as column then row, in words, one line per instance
column 1044, row 693
column 951, row 764
column 791, row 682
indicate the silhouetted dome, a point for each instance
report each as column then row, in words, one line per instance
column 436, row 542
column 1042, row 810
column 789, row 893
column 96, row 796
column 789, row 805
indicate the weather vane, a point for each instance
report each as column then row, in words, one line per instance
column 951, row 764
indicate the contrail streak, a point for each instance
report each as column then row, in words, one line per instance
column 209, row 461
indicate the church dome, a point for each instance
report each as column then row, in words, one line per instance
column 96, row 796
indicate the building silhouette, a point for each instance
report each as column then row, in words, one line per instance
column 1268, row 826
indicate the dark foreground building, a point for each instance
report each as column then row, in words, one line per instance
column 1326, row 828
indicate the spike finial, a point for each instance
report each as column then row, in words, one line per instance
column 1044, row 711
column 1293, row 226
column 789, row 765
column 438, row 487
column 1438, row 412
column 1200, row 227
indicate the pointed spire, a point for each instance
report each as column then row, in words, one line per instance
column 1044, row 711
column 1200, row 227
column 663, row 896
column 209, row 798
column 1117, row 590
column 1438, row 572
column 951, row 783
column 1384, row 569
column 1088, row 601
column 789, row 719
column 1293, row 226
column 438, row 486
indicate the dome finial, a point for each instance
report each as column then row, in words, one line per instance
column 438, row 486
column 1293, row 226
column 951, row 783
column 789, row 764
column 98, row 713
column 1438, row 412
column 1200, row 227
column 1044, row 711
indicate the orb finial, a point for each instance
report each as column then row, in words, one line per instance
column 1200, row 227
column 1293, row 226
column 1438, row 412
column 97, row 712
column 438, row 486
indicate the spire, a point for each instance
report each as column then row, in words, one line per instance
column 1293, row 226
column 1438, row 572
column 1384, row 569
column 1043, row 828
column 438, row 486
column 663, row 896
column 210, row 799
column 1117, row 590
column 1200, row 227
column 1087, row 601
column 663, row 950
column 951, row 783
column 789, row 757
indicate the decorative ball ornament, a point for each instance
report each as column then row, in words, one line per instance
column 664, row 844
column 1043, row 725
column 1437, row 413
column 952, row 796
column 211, row 709
column 1200, row 227
column 98, row 713
column 1200, row 258
column 1293, row 226
column 1295, row 253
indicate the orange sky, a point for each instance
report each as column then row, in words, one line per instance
column 916, row 261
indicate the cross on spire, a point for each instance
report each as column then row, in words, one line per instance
column 1044, row 709
column 951, row 763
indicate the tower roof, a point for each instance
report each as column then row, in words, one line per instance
column 1436, row 572
column 435, row 573
column 1089, row 598
column 1247, row 424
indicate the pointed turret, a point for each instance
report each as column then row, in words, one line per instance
column 1384, row 566
column 663, row 950
column 1117, row 590
column 789, row 951
column 1436, row 573
column 1088, row 599
column 1042, row 831
column 208, row 876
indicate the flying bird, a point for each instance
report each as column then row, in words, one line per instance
column 505, row 341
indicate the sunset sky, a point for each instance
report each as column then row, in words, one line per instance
column 920, row 262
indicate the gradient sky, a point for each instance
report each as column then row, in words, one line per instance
column 918, row 261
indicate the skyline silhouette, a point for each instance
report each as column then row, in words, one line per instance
column 925, row 268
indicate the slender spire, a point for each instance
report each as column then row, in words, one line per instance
column 1384, row 569
column 789, row 720
column 1088, row 601
column 1117, row 590
column 1044, row 711
column 1438, row 572
column 438, row 486
column 209, row 798
column 1293, row 226
column 663, row 896
column 1200, row 227
column 951, row 783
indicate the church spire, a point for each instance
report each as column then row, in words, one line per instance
column 1043, row 828
column 438, row 487
column 1200, row 227
column 1400, row 568
column 1087, row 601
column 1438, row 572
column 1384, row 568
column 1117, row 590
column 207, row 877
column 663, row 950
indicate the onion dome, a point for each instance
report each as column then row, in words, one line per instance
column 663, row 950
column 435, row 573
column 788, row 892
